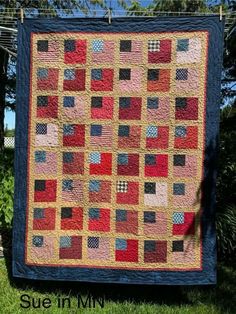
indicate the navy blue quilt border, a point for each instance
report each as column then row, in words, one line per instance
column 207, row 275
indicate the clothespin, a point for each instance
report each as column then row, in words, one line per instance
column 109, row 16
column 22, row 15
column 221, row 12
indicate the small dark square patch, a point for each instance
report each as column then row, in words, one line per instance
column 153, row 75
column 149, row 187
column 125, row 46
column 124, row 102
column 179, row 189
column 42, row 101
column 68, row 157
column 42, row 45
column 177, row 246
column 124, row 74
column 180, row 103
column 39, row 185
column 41, row 128
column 69, row 45
column 66, row 212
column 149, row 246
column 179, row 160
column 96, row 102
column 149, row 217
column 150, row 160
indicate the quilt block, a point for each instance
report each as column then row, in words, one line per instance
column 115, row 149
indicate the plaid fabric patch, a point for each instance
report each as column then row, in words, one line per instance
column 122, row 187
column 153, row 45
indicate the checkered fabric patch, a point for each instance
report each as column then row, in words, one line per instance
column 153, row 45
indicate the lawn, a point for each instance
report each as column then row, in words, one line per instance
column 120, row 298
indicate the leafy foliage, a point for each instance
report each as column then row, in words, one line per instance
column 6, row 187
column 226, row 233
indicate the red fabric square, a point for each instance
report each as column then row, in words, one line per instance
column 130, row 254
column 104, row 167
column 47, row 222
column 78, row 84
column 106, row 111
column 73, row 252
column 47, row 195
column 160, row 169
column 132, row 168
column 133, row 112
column 77, row 56
column 159, row 255
column 130, row 225
column 102, row 223
column 129, row 197
column 190, row 112
column 106, row 83
column 162, row 56
column 49, row 111
column 50, row 82
column 75, row 167
column 161, row 141
column 162, row 84
column 190, row 141
column 76, row 139
column 75, row 222
column 186, row 228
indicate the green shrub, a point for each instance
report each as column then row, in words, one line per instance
column 6, row 187
column 226, row 233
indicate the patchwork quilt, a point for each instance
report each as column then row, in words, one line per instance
column 115, row 150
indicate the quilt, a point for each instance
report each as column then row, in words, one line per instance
column 115, row 149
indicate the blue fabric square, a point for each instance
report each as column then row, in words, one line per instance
column 180, row 131
column 38, row 213
column 37, row 241
column 123, row 130
column 181, row 74
column 94, row 213
column 69, row 74
column 95, row 158
column 96, row 130
column 178, row 218
column 96, row 74
column 149, row 217
column 121, row 244
column 67, row 185
column 68, row 129
column 42, row 73
column 68, row 157
column 94, row 185
column 149, row 246
column 40, row 156
column 182, row 44
column 97, row 45
column 150, row 160
column 152, row 102
column 93, row 242
column 65, row 241
column 121, row 215
column 41, row 128
column 179, row 189
column 152, row 131
column 123, row 159
column 69, row 45
column 42, row 101
column 124, row 102
column 68, row 102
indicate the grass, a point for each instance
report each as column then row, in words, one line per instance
column 120, row 298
